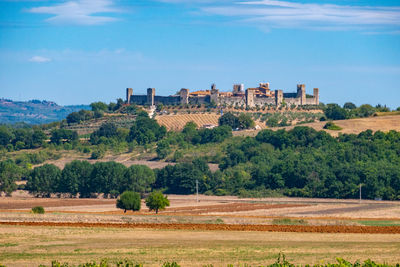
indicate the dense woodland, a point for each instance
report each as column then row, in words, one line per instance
column 300, row 162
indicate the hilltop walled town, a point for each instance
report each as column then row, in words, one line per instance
column 249, row 98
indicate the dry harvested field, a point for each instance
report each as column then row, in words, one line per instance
column 178, row 121
column 353, row 126
column 233, row 209
column 215, row 230
column 23, row 245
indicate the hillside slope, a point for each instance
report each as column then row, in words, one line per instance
column 34, row 111
column 178, row 121
column 355, row 126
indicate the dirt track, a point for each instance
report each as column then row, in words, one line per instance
column 229, row 227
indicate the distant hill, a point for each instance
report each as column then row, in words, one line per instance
column 34, row 111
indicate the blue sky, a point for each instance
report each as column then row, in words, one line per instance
column 81, row 51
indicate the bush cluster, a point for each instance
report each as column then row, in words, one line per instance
column 281, row 261
column 38, row 210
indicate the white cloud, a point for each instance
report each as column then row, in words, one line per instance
column 284, row 14
column 79, row 12
column 39, row 59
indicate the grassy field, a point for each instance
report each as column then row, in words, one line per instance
column 31, row 246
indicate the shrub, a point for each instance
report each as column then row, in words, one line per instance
column 129, row 201
column 171, row 264
column 288, row 221
column 177, row 156
column 38, row 210
column 97, row 154
column 331, row 126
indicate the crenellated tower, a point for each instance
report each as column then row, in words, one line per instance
column 129, row 93
column 301, row 93
column 151, row 92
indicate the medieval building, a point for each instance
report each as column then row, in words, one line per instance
column 251, row 97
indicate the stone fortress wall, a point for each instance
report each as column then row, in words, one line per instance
column 251, row 97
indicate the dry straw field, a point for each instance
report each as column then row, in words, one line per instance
column 355, row 126
column 215, row 230
column 178, row 121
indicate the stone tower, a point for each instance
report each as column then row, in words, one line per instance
column 214, row 95
column 250, row 98
column 129, row 93
column 184, row 95
column 278, row 97
column 151, row 92
column 301, row 93
column 238, row 88
column 316, row 96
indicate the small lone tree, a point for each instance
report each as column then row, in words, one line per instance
column 157, row 201
column 129, row 201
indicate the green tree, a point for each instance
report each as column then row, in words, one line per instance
column 44, row 180
column 138, row 178
column 59, row 136
column 38, row 137
column 366, row 110
column 335, row 112
column 245, row 121
column 215, row 135
column 73, row 117
column 272, row 122
column 163, row 149
column 120, row 103
column 181, row 178
column 107, row 176
column 6, row 135
column 157, row 201
column 189, row 131
column 82, row 115
column 107, row 130
column 129, row 201
column 230, row 120
column 9, row 173
column 349, row 105
column 75, row 178
column 146, row 130
column 99, row 106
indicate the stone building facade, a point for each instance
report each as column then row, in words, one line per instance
column 251, row 97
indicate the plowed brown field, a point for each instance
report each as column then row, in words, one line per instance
column 231, row 207
column 228, row 227
column 12, row 203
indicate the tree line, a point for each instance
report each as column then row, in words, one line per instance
column 300, row 162
column 350, row 111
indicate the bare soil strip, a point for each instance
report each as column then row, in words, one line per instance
column 231, row 207
column 228, row 227
column 12, row 203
